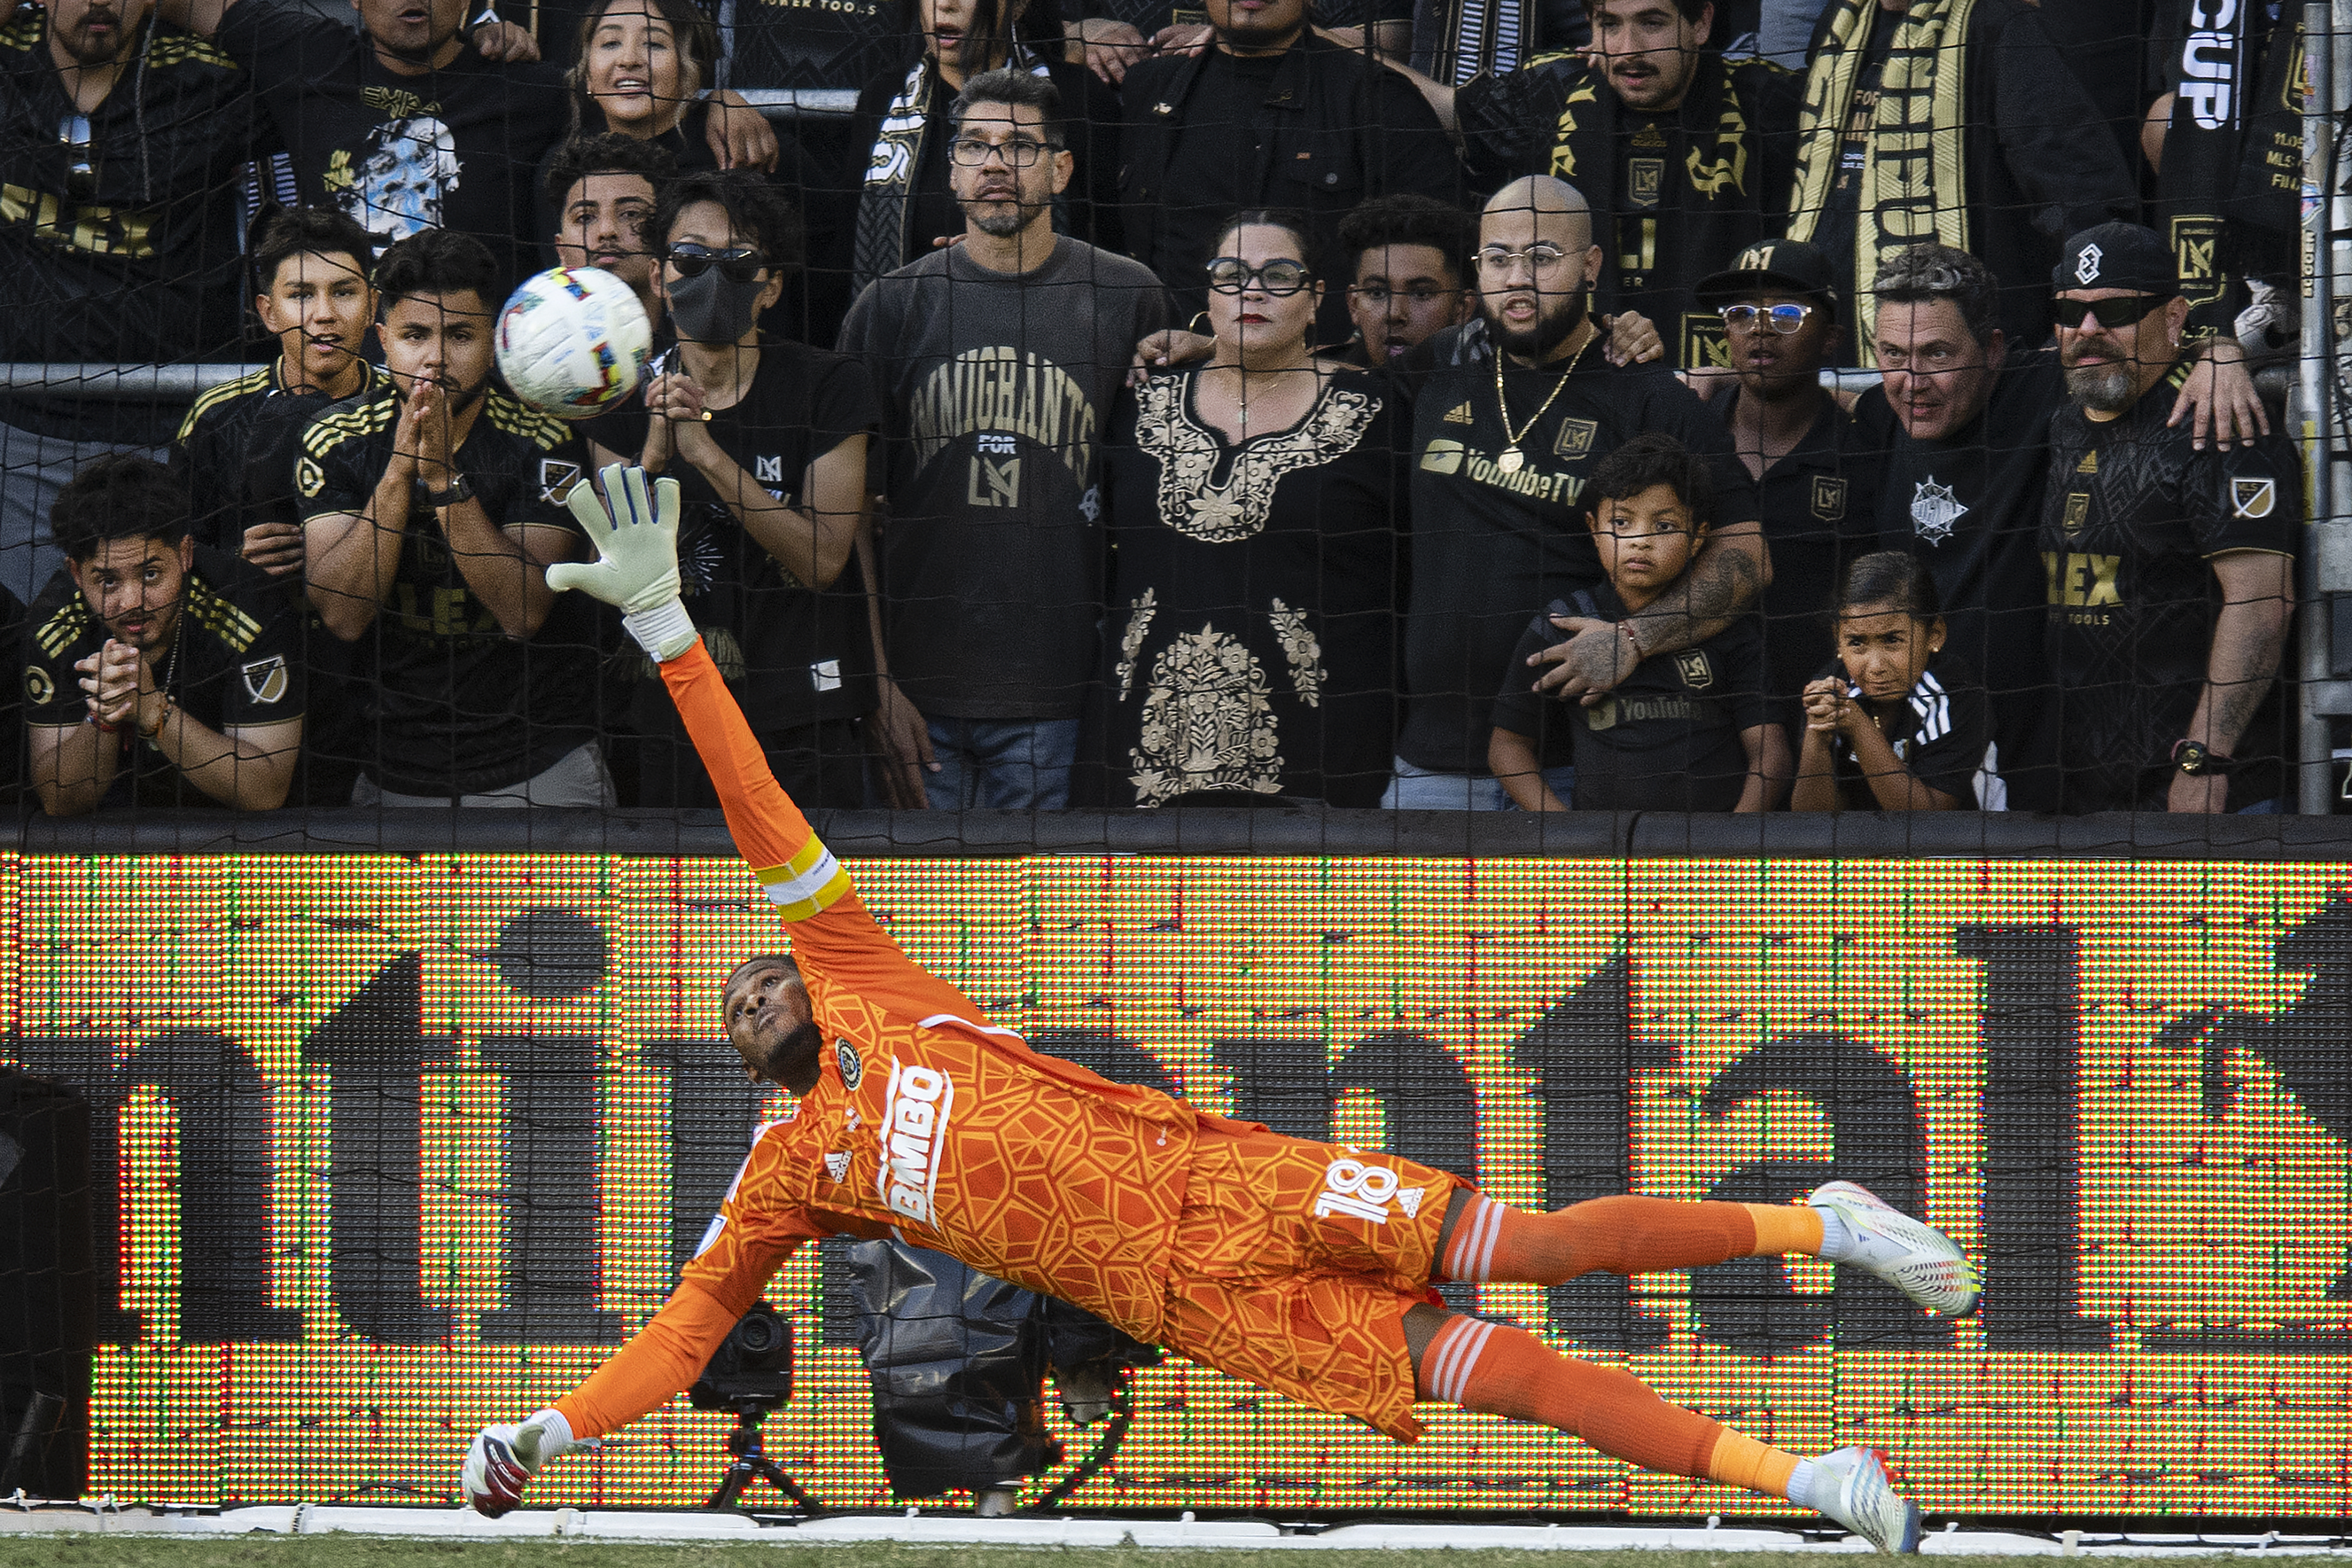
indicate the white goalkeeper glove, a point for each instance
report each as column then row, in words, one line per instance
column 503, row 1459
column 637, row 564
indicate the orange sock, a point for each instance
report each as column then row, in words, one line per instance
column 1499, row 1370
column 1619, row 1236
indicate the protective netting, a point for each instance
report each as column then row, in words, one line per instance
column 407, row 1147
column 1454, row 452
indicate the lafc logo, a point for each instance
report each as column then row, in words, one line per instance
column 914, row 1111
column 771, row 470
column 1696, row 673
column 1575, row 438
column 1364, row 1191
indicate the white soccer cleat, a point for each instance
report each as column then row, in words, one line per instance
column 1910, row 1255
column 1851, row 1486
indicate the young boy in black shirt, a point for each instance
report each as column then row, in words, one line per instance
column 431, row 508
column 156, row 669
column 1687, row 731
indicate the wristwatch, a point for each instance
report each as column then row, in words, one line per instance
column 2198, row 761
column 461, row 488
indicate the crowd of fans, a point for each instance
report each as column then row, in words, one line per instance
column 1151, row 406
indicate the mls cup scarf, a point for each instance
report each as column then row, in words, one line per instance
column 886, row 205
column 2233, row 151
column 1914, row 181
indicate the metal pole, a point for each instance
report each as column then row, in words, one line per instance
column 2316, row 388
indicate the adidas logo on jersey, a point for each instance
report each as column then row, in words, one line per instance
column 1458, row 415
column 836, row 1165
column 914, row 1111
column 1364, row 1191
column 2089, row 465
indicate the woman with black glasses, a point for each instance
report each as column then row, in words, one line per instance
column 767, row 439
column 1256, row 507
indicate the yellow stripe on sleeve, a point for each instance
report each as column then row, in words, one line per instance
column 807, row 885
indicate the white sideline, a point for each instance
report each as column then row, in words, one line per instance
column 21, row 1517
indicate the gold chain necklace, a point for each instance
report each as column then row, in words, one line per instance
column 1511, row 459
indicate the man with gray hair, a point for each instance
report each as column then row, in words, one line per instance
column 1963, row 419
column 997, row 360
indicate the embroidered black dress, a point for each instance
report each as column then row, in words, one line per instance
column 1254, row 594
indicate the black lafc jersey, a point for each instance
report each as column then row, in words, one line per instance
column 235, row 662
column 2131, row 522
column 1499, row 526
column 118, row 234
column 237, row 451
column 460, row 707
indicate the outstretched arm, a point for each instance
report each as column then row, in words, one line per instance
column 834, row 935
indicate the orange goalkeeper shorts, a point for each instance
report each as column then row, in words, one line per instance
column 1295, row 1264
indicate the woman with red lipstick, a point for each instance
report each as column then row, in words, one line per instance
column 1896, row 724
column 1256, row 507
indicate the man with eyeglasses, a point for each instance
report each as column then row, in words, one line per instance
column 1685, row 152
column 1816, row 477
column 997, row 360
column 1268, row 114
column 2168, row 570
column 120, row 138
column 1513, row 412
column 1410, row 256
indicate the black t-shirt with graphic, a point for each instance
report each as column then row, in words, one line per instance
column 1491, row 539
column 1667, row 738
column 1970, row 507
column 460, row 707
column 456, row 148
column 235, row 662
column 2130, row 526
column 1941, row 729
column 118, row 228
column 795, row 655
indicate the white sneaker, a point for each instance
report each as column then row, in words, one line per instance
column 1851, row 1486
column 1910, row 1255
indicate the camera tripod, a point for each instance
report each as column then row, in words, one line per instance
column 751, row 1461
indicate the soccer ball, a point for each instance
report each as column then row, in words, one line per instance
column 573, row 341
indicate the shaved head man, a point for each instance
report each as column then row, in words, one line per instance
column 1521, row 404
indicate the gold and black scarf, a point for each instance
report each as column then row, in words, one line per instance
column 1914, row 183
column 886, row 205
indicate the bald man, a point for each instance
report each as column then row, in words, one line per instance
column 1303, row 1266
column 1514, row 411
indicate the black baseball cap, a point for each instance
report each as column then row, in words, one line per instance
column 2116, row 256
column 1782, row 266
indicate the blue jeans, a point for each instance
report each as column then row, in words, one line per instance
column 1003, row 764
column 1413, row 788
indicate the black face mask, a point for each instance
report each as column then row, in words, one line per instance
column 712, row 308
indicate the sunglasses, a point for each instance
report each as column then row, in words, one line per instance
column 1782, row 319
column 736, row 266
column 2109, row 313
column 1281, row 277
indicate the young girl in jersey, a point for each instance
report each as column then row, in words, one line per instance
column 1895, row 723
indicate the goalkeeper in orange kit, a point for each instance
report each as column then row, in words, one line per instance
column 1302, row 1267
